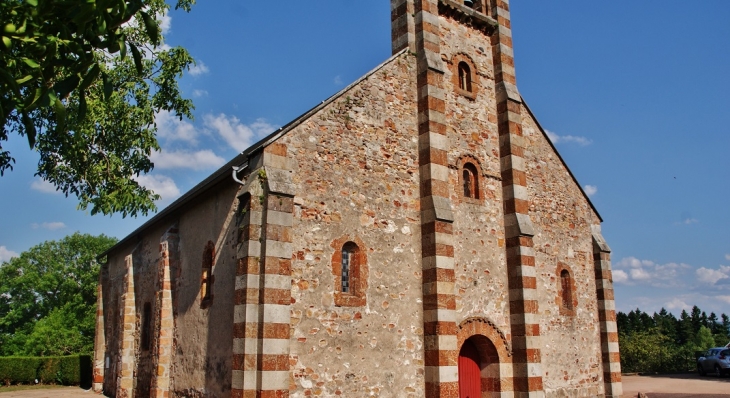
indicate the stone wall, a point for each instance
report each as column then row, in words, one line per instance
column 562, row 218
column 356, row 175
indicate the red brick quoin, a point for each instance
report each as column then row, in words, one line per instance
column 356, row 296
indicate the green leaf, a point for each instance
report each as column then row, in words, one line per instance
column 65, row 86
column 92, row 74
column 24, row 79
column 122, row 48
column 152, row 28
column 137, row 57
column 82, row 106
column 7, row 42
column 60, row 110
column 29, row 129
column 107, row 86
column 34, row 3
column 31, row 63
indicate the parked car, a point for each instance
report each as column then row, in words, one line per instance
column 714, row 360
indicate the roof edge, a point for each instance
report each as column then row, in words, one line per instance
column 542, row 130
column 224, row 171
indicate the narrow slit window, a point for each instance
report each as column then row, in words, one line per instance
column 566, row 291
column 470, row 181
column 206, row 280
column 464, row 76
column 146, row 326
column 349, row 251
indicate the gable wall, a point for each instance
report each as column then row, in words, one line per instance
column 356, row 176
column 562, row 218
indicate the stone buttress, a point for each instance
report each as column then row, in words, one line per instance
column 263, row 279
column 607, row 316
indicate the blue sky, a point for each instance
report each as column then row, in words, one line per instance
column 635, row 96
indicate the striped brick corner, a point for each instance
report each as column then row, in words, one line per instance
column 165, row 319
column 607, row 316
column 522, row 277
column 125, row 376
column 437, row 245
column 262, row 301
column 99, row 339
column 246, row 296
column 402, row 25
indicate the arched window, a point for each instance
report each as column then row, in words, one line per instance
column 350, row 271
column 470, row 181
column 206, row 280
column 464, row 76
column 349, row 261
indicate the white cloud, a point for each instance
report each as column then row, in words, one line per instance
column 676, row 304
column 160, row 184
column 651, row 273
column 199, row 160
column 44, row 186
column 6, row 254
column 727, row 257
column 49, row 225
column 171, row 128
column 712, row 276
column 338, row 80
column 590, row 190
column 555, row 138
column 620, row 276
column 199, row 68
column 688, row 221
column 236, row 134
column 165, row 23
column 200, row 93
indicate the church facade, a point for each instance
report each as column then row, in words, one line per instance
column 415, row 235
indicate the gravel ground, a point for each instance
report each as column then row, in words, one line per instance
column 661, row 386
column 676, row 386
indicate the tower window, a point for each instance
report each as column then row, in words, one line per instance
column 206, row 280
column 470, row 181
column 464, row 76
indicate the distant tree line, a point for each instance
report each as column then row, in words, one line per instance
column 48, row 297
column 665, row 343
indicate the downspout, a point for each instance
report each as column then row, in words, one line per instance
column 237, row 170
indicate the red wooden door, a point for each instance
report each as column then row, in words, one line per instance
column 470, row 380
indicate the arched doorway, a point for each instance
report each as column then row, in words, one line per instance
column 470, row 378
column 479, row 369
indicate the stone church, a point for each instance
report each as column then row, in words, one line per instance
column 415, row 235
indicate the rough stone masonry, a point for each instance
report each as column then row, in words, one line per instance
column 415, row 235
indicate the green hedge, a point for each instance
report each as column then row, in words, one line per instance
column 70, row 370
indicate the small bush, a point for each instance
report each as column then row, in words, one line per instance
column 69, row 370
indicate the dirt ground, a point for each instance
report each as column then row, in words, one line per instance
column 663, row 386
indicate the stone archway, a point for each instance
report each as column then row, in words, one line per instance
column 483, row 349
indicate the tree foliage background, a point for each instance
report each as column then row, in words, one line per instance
column 48, row 297
column 82, row 80
column 665, row 343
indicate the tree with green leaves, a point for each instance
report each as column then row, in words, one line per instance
column 48, row 297
column 82, row 81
